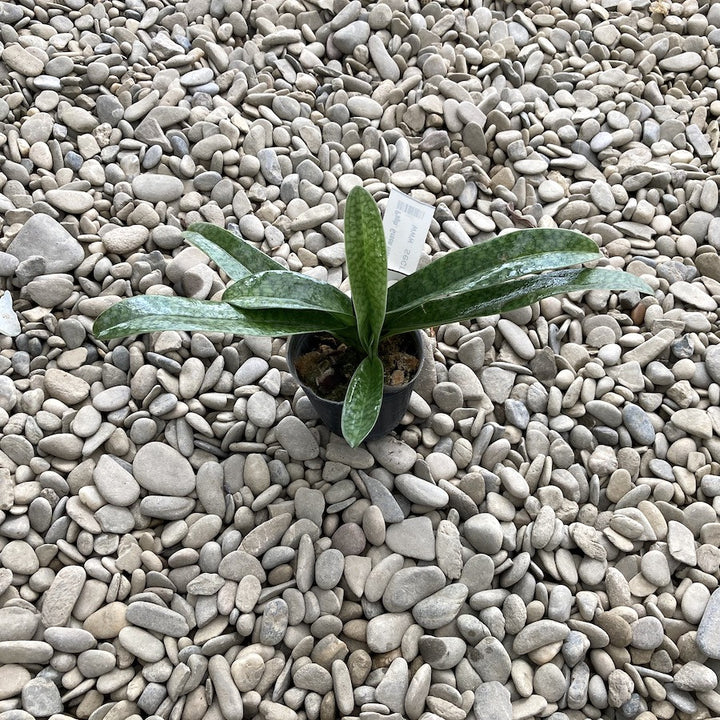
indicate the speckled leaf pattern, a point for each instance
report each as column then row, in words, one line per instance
column 290, row 290
column 234, row 269
column 362, row 401
column 280, row 321
column 508, row 295
column 367, row 265
column 252, row 259
column 503, row 258
column 151, row 313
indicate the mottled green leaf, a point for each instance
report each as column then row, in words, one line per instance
column 367, row 265
column 151, row 313
column 252, row 259
column 362, row 401
column 289, row 290
column 223, row 259
column 503, row 258
column 278, row 321
column 508, row 295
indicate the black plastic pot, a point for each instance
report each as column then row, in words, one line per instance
column 395, row 399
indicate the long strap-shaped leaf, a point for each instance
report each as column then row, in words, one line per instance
column 252, row 259
column 512, row 255
column 150, row 313
column 362, row 401
column 508, row 295
column 289, row 290
column 367, row 265
column 234, row 269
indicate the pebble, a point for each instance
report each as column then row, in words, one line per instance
column 491, row 660
column 394, row 455
column 50, row 290
column 693, row 294
column 65, row 386
column 654, row 566
column 161, row 469
column 41, row 698
column 708, row 637
column 638, row 424
column 383, row 500
column 364, row 107
column 42, row 236
column 313, row 677
column 22, row 61
column 142, row 644
column 12, row 679
column 538, row 634
column 681, row 543
column 70, row 201
column 347, row 38
column 71, row 640
column 651, row 348
column 421, row 492
column 647, row 633
column 228, row 695
column 157, row 618
column 483, row 531
column 442, row 653
column 695, row 677
column 19, row 557
column 492, row 701
column 412, row 538
column 530, row 166
column 441, row 607
column 391, row 690
column 296, row 438
column 124, row 240
column 550, row 682
column 694, row 601
column 410, row 585
column 385, row 632
column 157, row 188
column 19, row 623
column 693, row 421
column 25, row 652
column 682, row 62
column 112, row 399
column 61, row 595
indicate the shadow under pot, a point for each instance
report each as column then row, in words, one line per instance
column 323, row 366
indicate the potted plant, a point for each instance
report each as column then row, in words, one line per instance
column 350, row 336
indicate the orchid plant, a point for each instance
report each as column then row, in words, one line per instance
column 501, row 274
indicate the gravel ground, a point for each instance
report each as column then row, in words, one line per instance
column 180, row 538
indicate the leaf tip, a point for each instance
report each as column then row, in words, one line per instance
column 101, row 334
column 646, row 289
column 357, row 191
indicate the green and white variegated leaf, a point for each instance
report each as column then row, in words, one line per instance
column 362, row 401
column 506, row 296
column 289, row 290
column 366, row 255
column 509, row 256
column 218, row 243
column 152, row 313
column 223, row 259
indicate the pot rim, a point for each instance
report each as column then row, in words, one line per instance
column 296, row 338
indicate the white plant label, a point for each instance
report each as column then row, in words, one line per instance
column 406, row 223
